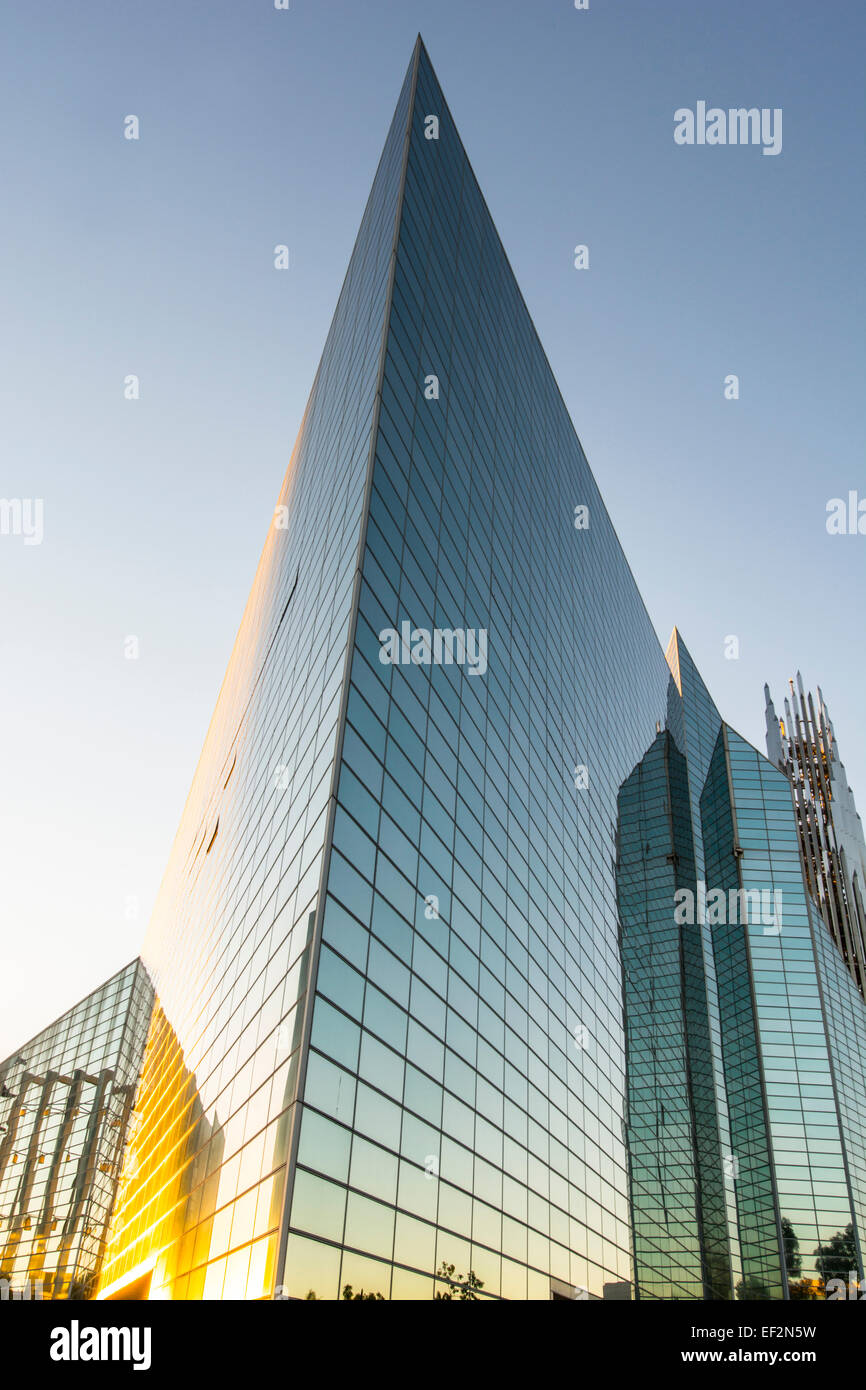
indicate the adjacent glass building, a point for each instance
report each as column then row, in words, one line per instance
column 426, row 1023
column 65, row 1104
column 746, row 982
column 832, row 845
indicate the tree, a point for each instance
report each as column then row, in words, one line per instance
column 806, row 1289
column 751, row 1290
column 462, row 1288
column 349, row 1295
column 838, row 1257
column 793, row 1262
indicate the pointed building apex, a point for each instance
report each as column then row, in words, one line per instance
column 672, row 657
column 774, row 736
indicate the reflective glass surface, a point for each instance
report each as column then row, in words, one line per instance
column 745, row 1093
column 426, row 1024
column 65, row 1103
column 677, row 1171
column 464, row 1098
column 805, row 1135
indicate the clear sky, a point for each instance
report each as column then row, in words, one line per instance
column 155, row 258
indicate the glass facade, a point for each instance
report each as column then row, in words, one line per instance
column 463, row 1098
column 426, row 1024
column 791, row 1151
column 65, row 1104
column 677, row 1173
column 832, row 845
column 773, row 1008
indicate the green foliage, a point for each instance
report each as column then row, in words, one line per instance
column 793, row 1262
column 462, row 1288
column 805, row 1290
column 751, row 1290
column 838, row 1257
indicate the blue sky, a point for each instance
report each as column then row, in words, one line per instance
column 155, row 257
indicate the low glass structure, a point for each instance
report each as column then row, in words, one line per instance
column 66, row 1100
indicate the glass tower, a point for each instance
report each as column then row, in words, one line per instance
column 425, row 1025
column 462, row 1092
column 747, row 985
column 832, row 846
column 65, row 1104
